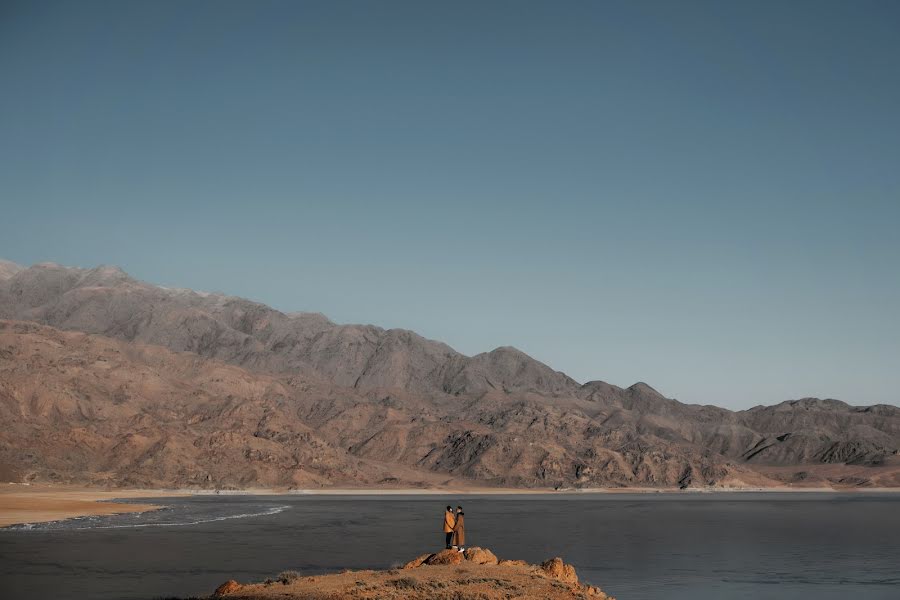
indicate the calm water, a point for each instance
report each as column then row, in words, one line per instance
column 636, row 547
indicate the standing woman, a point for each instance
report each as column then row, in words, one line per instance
column 449, row 522
column 459, row 530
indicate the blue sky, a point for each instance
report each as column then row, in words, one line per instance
column 701, row 195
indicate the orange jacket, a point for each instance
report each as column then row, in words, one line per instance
column 449, row 521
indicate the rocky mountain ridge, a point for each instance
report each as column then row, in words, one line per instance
column 105, row 300
column 126, row 383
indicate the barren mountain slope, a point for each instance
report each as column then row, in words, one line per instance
column 86, row 408
column 822, row 431
column 89, row 409
column 414, row 410
column 107, row 301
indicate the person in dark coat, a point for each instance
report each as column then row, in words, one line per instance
column 459, row 530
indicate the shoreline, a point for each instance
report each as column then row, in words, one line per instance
column 22, row 504
column 41, row 503
column 544, row 491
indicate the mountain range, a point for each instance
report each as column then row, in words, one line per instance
column 107, row 380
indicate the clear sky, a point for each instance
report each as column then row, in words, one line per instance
column 701, row 195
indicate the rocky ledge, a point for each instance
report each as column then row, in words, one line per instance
column 476, row 574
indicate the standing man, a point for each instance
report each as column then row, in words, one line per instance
column 459, row 530
column 449, row 524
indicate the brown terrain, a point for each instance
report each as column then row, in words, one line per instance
column 38, row 503
column 106, row 380
column 447, row 575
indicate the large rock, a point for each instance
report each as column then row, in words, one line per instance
column 417, row 562
column 595, row 592
column 445, row 557
column 557, row 569
column 480, row 556
column 229, row 587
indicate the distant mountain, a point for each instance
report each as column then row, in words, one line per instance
column 128, row 383
column 8, row 269
column 107, row 301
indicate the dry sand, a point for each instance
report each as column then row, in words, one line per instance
column 21, row 503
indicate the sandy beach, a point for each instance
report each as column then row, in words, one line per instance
column 21, row 503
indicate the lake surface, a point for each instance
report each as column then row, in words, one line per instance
column 635, row 546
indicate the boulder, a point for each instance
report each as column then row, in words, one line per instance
column 595, row 592
column 480, row 556
column 557, row 569
column 445, row 557
column 417, row 562
column 226, row 588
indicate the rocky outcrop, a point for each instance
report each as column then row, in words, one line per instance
column 417, row 561
column 476, row 555
column 480, row 556
column 444, row 579
column 229, row 587
column 445, row 557
column 557, row 569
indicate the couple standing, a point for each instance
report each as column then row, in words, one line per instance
column 455, row 528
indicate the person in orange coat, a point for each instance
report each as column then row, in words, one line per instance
column 449, row 524
column 459, row 530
